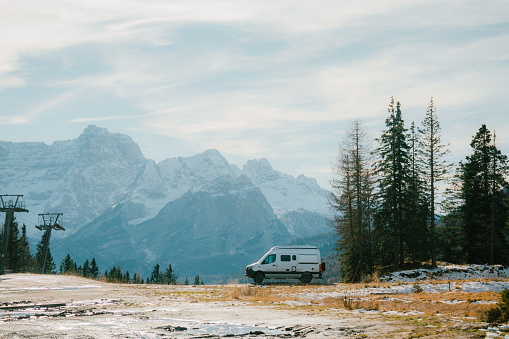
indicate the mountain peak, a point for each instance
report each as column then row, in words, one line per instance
column 258, row 167
column 207, row 158
column 213, row 154
column 93, row 129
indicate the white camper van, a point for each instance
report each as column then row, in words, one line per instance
column 288, row 262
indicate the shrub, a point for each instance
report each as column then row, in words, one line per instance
column 499, row 314
column 504, row 305
column 416, row 288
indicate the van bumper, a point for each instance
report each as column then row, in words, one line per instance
column 249, row 272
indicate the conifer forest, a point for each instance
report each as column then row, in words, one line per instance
column 399, row 203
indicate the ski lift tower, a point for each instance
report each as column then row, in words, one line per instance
column 49, row 222
column 9, row 204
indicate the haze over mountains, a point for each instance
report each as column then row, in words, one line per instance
column 201, row 214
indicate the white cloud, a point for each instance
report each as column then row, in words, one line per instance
column 279, row 73
column 13, row 120
column 11, row 81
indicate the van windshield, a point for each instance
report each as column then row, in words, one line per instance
column 269, row 259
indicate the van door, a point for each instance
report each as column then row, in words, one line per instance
column 287, row 265
column 269, row 265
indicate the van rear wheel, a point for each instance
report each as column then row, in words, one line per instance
column 258, row 278
column 306, row 278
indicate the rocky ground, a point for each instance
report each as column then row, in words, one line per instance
column 55, row 306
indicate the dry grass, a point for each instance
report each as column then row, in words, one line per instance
column 453, row 304
column 243, row 292
column 353, row 302
column 449, row 306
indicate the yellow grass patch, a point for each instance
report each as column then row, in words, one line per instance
column 453, row 304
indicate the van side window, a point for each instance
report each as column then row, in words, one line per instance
column 269, row 259
column 285, row 257
column 294, row 257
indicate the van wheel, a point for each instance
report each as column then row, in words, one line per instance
column 258, row 278
column 306, row 278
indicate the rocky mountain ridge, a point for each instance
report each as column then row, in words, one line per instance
column 124, row 208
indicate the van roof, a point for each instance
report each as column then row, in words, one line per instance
column 296, row 247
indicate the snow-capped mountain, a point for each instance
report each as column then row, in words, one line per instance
column 300, row 203
column 283, row 191
column 80, row 178
column 133, row 210
column 160, row 183
column 213, row 231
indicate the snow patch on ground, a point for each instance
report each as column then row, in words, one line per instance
column 497, row 332
column 450, row 272
column 466, row 286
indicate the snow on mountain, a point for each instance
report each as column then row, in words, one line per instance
column 300, row 203
column 215, row 230
column 80, row 178
column 100, row 173
column 172, row 178
column 284, row 192
column 218, row 228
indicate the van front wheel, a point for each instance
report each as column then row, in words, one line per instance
column 258, row 278
column 306, row 278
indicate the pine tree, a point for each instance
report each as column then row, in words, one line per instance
column 197, row 280
column 14, row 251
column 115, row 275
column 351, row 200
column 155, row 276
column 435, row 167
column 137, row 279
column 186, row 282
column 450, row 236
column 67, row 265
column 94, row 269
column 86, row 269
column 169, row 276
column 15, row 256
column 416, row 211
column 26, row 259
column 392, row 169
column 127, row 278
column 484, row 194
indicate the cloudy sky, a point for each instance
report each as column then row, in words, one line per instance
column 276, row 79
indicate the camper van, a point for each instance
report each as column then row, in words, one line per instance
column 288, row 262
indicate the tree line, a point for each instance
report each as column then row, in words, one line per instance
column 385, row 199
column 20, row 260
column 115, row 275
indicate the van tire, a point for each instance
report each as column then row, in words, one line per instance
column 306, row 278
column 258, row 278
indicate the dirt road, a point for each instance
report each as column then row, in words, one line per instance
column 54, row 306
